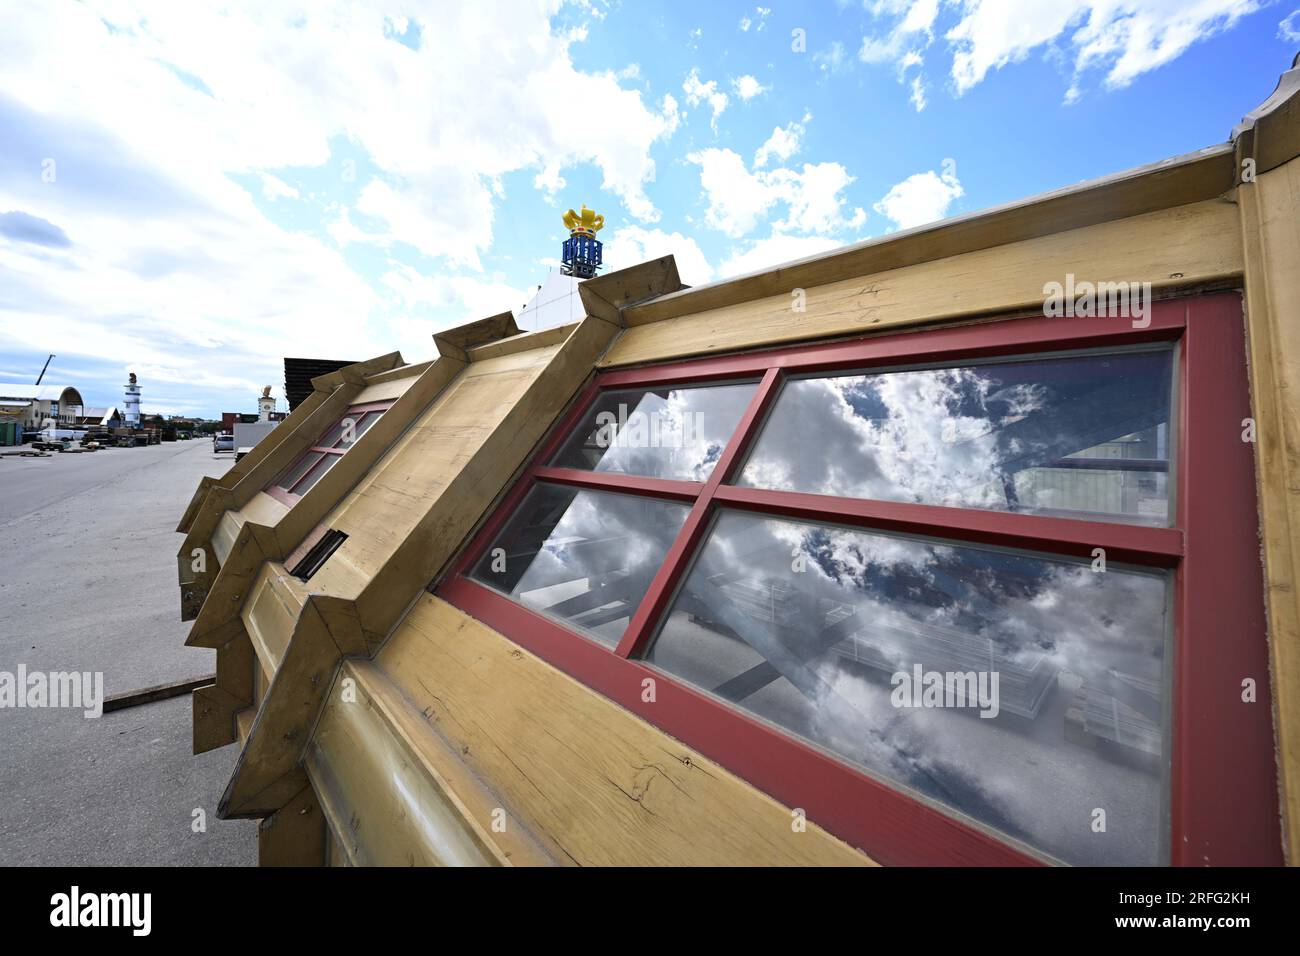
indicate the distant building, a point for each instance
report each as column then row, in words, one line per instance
column 31, row 405
column 104, row 417
column 298, row 373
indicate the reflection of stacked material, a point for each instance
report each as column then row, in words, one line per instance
column 1024, row 680
column 1095, row 715
column 772, row 603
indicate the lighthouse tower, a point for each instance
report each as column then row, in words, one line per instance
column 581, row 254
column 131, row 404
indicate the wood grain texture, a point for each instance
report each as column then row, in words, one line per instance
column 1175, row 247
column 1179, row 181
column 592, row 781
column 397, row 795
column 295, row 834
column 1270, row 225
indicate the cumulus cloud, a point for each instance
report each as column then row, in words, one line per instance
column 1289, row 29
column 781, row 145
column 739, row 198
column 173, row 145
column 1123, row 39
column 698, row 91
column 747, row 87
column 774, row 250
column 920, row 198
column 632, row 244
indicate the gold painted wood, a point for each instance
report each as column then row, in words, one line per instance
column 395, row 793
column 1270, row 224
column 1186, row 245
column 594, row 782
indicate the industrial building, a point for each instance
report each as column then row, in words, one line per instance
column 673, row 582
column 32, row 405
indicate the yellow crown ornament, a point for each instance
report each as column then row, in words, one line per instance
column 586, row 223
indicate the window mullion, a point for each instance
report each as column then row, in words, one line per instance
column 675, row 563
column 617, row 481
column 1135, row 544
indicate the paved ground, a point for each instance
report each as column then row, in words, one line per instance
column 88, row 583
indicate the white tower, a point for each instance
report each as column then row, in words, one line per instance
column 131, row 404
column 265, row 405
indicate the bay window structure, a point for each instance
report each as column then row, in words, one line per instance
column 953, row 587
column 870, row 557
column 312, row 465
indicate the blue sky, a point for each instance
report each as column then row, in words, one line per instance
column 192, row 194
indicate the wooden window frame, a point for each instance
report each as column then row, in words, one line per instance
column 287, row 496
column 1222, row 780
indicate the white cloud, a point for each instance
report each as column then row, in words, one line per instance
column 476, row 297
column 698, row 92
column 1124, row 37
column 774, row 250
column 170, row 126
column 833, row 59
column 747, row 87
column 630, row 245
column 782, row 144
column 1289, row 29
column 273, row 188
column 739, row 198
column 758, row 21
column 920, row 198
column 918, row 92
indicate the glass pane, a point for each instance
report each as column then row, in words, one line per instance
column 299, row 469
column 585, row 556
column 659, row 433
column 361, row 422
column 1022, row 691
column 317, row 473
column 1081, row 436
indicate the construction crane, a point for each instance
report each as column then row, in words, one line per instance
column 47, row 365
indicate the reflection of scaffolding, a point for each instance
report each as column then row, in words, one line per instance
column 1095, row 715
column 1024, row 681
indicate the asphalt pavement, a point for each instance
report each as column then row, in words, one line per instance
column 88, row 584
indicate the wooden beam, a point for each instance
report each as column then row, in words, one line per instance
column 456, row 343
column 607, row 297
column 294, row 835
column 1270, row 226
column 396, row 794
column 1173, row 248
column 592, row 781
column 1196, row 177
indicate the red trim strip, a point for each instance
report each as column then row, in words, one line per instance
column 1224, row 807
column 616, row 481
column 1136, row 544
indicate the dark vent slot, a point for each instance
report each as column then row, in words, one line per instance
column 320, row 552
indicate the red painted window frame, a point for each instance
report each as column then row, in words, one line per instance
column 1223, row 796
column 287, row 496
